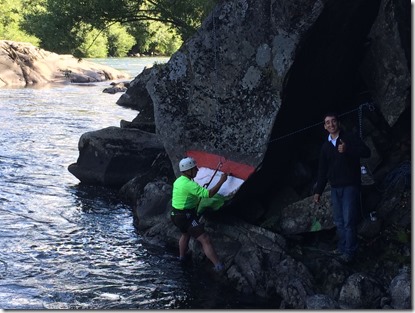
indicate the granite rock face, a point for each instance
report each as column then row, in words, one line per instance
column 386, row 68
column 221, row 91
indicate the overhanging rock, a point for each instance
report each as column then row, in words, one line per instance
column 112, row 156
column 221, row 93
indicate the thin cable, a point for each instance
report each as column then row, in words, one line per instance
column 214, row 174
column 369, row 105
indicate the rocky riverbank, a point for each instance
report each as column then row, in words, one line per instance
column 247, row 87
column 22, row 64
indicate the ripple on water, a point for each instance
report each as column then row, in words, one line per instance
column 64, row 245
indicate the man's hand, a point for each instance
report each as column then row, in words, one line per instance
column 316, row 198
column 216, row 188
column 223, row 177
column 342, row 146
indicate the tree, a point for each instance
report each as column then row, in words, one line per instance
column 10, row 18
column 59, row 22
column 183, row 15
column 155, row 38
column 119, row 40
column 93, row 43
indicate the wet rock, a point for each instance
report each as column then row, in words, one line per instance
column 321, row 302
column 386, row 68
column 117, row 87
column 112, row 156
column 155, row 200
column 138, row 124
column 360, row 292
column 160, row 172
column 255, row 259
column 302, row 216
column 400, row 291
column 137, row 96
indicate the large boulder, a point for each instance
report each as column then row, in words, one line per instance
column 160, row 172
column 221, row 92
column 386, row 67
column 302, row 217
column 137, row 98
column 112, row 156
column 22, row 64
column 321, row 302
column 400, row 289
column 361, row 291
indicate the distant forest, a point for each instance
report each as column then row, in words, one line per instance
column 103, row 28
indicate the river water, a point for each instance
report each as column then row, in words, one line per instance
column 68, row 246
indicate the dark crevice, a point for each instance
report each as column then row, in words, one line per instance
column 324, row 77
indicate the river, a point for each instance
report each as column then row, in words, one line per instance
column 64, row 245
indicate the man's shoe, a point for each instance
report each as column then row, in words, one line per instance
column 180, row 259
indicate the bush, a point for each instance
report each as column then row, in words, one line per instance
column 155, row 38
column 119, row 41
column 93, row 43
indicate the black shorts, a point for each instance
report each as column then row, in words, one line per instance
column 187, row 222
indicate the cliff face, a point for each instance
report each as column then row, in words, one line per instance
column 253, row 83
column 222, row 91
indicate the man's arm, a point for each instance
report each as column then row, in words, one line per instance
column 216, row 188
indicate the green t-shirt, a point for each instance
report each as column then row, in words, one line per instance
column 187, row 193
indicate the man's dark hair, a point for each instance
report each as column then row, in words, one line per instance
column 334, row 114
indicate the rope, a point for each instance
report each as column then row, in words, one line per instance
column 220, row 164
column 360, row 109
column 371, row 108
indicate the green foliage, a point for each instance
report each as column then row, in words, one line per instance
column 399, row 234
column 10, row 19
column 315, row 225
column 163, row 40
column 211, row 204
column 155, row 38
column 402, row 236
column 93, row 43
column 84, row 27
column 119, row 40
column 54, row 31
column 185, row 16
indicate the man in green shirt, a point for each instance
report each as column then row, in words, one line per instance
column 186, row 196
